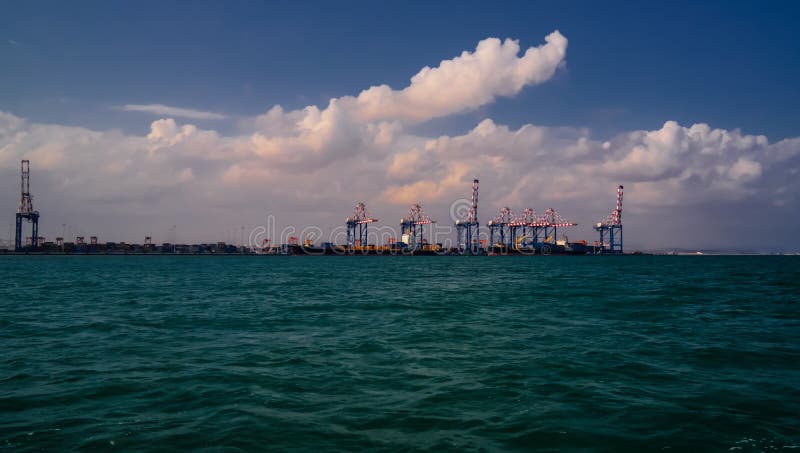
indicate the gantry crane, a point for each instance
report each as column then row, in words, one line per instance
column 610, row 229
column 520, row 227
column 468, row 227
column 25, row 210
column 357, row 226
column 412, row 225
column 500, row 224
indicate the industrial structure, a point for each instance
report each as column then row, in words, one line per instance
column 529, row 233
column 25, row 211
column 510, row 232
column 357, row 226
column 549, row 223
column 610, row 229
column 468, row 227
column 522, row 231
column 412, row 226
column 500, row 225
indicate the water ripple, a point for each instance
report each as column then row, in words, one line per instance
column 383, row 354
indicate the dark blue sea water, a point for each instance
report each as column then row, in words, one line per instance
column 632, row 353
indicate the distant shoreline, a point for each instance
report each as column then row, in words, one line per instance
column 13, row 253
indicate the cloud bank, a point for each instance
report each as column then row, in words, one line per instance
column 310, row 165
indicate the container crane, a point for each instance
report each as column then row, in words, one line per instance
column 610, row 229
column 468, row 227
column 522, row 223
column 412, row 225
column 500, row 224
column 25, row 210
column 357, row 226
column 549, row 224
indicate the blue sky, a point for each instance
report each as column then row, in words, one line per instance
column 138, row 113
column 730, row 64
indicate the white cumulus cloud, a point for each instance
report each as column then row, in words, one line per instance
column 465, row 82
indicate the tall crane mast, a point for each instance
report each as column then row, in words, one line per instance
column 468, row 227
column 610, row 229
column 25, row 210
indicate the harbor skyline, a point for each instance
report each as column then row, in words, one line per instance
column 200, row 133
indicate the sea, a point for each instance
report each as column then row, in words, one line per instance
column 382, row 353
